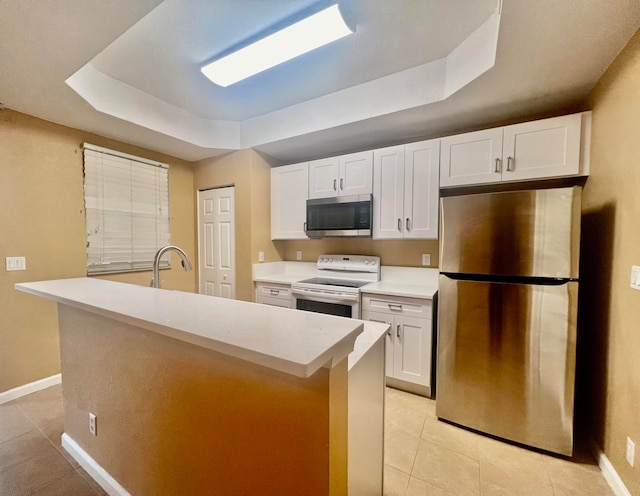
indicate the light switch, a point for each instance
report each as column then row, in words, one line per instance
column 16, row 263
column 426, row 259
column 260, row 256
column 635, row 277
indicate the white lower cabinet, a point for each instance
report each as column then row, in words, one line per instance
column 277, row 295
column 408, row 349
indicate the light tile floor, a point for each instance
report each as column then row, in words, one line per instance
column 427, row 457
column 423, row 456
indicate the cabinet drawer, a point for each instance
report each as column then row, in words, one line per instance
column 276, row 291
column 395, row 305
column 276, row 302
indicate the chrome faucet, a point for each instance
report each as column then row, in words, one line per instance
column 155, row 282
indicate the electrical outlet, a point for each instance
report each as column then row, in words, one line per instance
column 298, row 255
column 631, row 451
column 426, row 259
column 260, row 256
column 16, row 263
column 635, row 277
column 93, row 427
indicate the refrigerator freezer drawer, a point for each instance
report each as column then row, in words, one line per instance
column 506, row 360
column 534, row 233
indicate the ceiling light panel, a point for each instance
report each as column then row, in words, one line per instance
column 304, row 36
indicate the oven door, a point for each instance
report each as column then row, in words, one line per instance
column 342, row 305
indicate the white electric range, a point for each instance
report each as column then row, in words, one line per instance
column 336, row 289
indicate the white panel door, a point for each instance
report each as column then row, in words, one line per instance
column 216, row 242
column 540, row 149
column 388, row 192
column 323, row 178
column 356, row 174
column 289, row 186
column 471, row 158
column 412, row 350
column 421, row 189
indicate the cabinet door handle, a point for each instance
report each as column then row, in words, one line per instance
column 510, row 162
column 497, row 169
column 305, row 227
column 395, row 306
column 341, row 183
column 399, row 224
column 408, row 224
column 398, row 331
column 275, row 292
column 335, row 185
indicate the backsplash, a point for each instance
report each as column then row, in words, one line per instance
column 404, row 253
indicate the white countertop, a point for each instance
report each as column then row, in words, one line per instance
column 409, row 282
column 404, row 289
column 297, row 343
column 282, row 278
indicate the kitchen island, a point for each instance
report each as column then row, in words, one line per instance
column 200, row 395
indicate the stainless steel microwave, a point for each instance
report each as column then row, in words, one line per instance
column 338, row 217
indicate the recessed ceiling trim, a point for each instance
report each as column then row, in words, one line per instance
column 118, row 99
column 415, row 87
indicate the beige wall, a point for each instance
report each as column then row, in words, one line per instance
column 391, row 252
column 204, row 423
column 609, row 339
column 42, row 218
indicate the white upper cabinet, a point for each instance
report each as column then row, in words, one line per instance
column 405, row 201
column 471, row 158
column 289, row 201
column 541, row 149
column 421, row 189
column 323, row 177
column 340, row 176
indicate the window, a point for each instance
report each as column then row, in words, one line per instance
column 126, row 209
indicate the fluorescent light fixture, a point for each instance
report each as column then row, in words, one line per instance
column 302, row 37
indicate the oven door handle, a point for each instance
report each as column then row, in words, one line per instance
column 324, row 298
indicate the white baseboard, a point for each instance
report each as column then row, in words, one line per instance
column 32, row 387
column 99, row 474
column 609, row 472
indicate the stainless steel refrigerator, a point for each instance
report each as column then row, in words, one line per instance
column 508, row 299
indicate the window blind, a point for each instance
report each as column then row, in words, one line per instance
column 126, row 209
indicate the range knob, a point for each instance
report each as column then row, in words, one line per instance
column 374, row 262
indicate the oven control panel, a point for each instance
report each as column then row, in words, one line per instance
column 355, row 263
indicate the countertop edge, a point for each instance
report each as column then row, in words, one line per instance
column 329, row 357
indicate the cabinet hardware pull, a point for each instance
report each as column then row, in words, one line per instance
column 398, row 330
column 399, row 224
column 305, row 227
column 408, row 224
column 509, row 163
column 341, row 183
column 275, row 292
column 335, row 185
column 395, row 306
column 497, row 169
